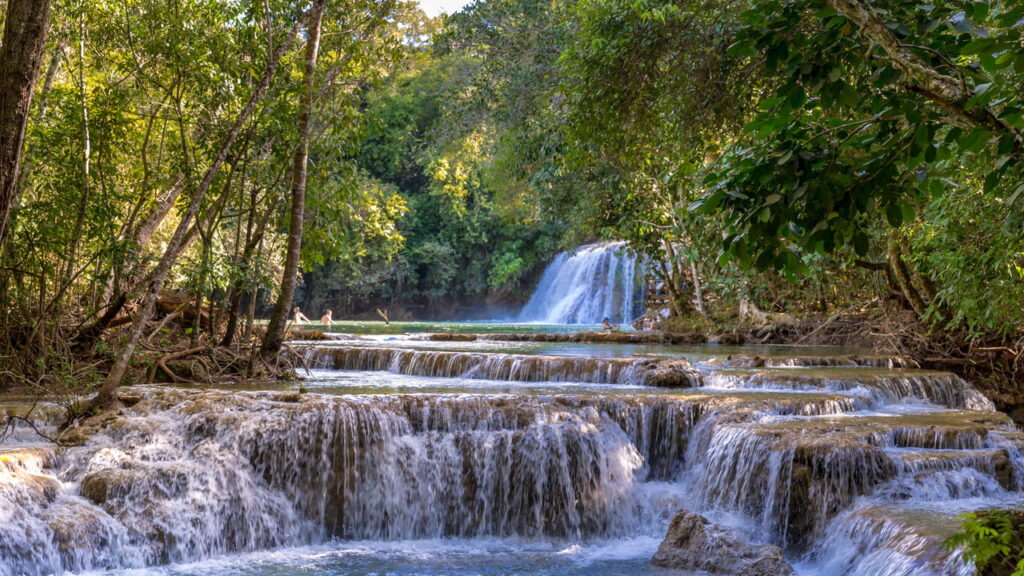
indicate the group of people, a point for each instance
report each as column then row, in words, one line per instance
column 300, row 318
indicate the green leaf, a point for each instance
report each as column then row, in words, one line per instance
column 974, row 141
column 860, row 243
column 742, row 50
column 1016, row 194
column 922, row 136
column 977, row 46
column 894, row 215
column 992, row 180
column 907, row 212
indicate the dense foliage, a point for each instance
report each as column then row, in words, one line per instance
column 804, row 137
column 993, row 540
column 763, row 154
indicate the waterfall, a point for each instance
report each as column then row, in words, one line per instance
column 586, row 285
column 850, row 464
column 881, row 386
column 508, row 367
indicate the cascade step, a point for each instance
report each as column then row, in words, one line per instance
column 846, row 360
column 608, row 337
column 671, row 372
column 883, row 385
column 794, row 474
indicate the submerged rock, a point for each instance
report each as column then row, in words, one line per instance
column 694, row 543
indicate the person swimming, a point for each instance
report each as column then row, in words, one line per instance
column 327, row 318
column 606, row 324
column 300, row 318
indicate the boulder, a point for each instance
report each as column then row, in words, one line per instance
column 158, row 481
column 671, row 374
column 106, row 483
column 694, row 543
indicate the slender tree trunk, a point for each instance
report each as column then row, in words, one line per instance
column 234, row 310
column 672, row 276
column 279, row 317
column 903, row 279
column 107, row 392
column 234, row 295
column 250, row 312
column 21, row 56
column 83, row 199
column 698, row 290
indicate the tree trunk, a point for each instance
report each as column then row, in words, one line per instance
column 83, row 199
column 698, row 290
column 107, row 392
column 948, row 92
column 21, row 56
column 250, row 313
column 672, row 276
column 234, row 310
column 117, row 296
column 902, row 276
column 279, row 317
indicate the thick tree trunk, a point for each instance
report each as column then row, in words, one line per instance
column 107, row 392
column 21, row 56
column 279, row 317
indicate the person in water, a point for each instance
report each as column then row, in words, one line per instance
column 607, row 324
column 300, row 318
column 327, row 319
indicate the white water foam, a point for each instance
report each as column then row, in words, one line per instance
column 591, row 283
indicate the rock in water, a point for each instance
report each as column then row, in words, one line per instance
column 694, row 543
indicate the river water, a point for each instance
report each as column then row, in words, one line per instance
column 406, row 456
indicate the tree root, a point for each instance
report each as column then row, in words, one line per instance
column 162, row 363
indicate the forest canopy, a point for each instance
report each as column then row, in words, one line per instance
column 355, row 154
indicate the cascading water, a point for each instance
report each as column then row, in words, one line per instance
column 852, row 468
column 586, row 285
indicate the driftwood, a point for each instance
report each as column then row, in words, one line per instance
column 162, row 363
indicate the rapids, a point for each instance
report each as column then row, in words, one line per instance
column 429, row 459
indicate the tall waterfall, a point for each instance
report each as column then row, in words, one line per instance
column 584, row 286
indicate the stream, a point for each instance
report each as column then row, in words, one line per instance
column 406, row 456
